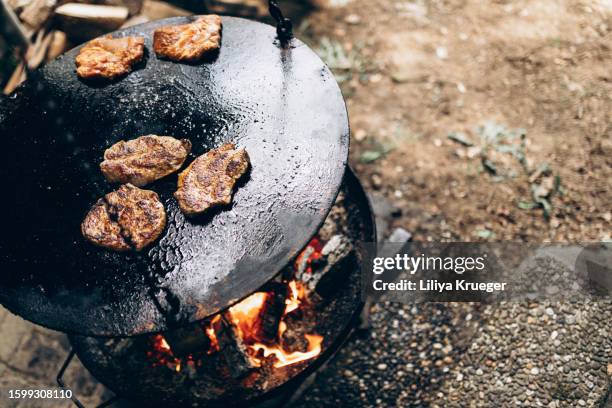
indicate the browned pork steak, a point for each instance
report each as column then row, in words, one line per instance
column 188, row 42
column 209, row 180
column 108, row 57
column 128, row 218
column 145, row 159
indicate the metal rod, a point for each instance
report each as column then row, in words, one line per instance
column 60, row 381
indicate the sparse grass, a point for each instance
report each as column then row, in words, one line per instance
column 344, row 64
column 498, row 143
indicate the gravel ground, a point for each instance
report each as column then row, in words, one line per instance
column 464, row 355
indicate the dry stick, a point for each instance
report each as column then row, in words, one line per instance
column 37, row 52
column 58, row 44
column 18, row 76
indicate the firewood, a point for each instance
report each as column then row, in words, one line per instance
column 36, row 52
column 188, row 340
column 155, row 10
column 272, row 311
column 86, row 21
column 18, row 5
column 242, row 8
column 302, row 263
column 37, row 13
column 17, row 77
column 12, row 30
column 59, row 44
column 233, row 349
column 336, row 261
column 134, row 6
column 139, row 19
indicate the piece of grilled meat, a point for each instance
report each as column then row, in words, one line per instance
column 128, row 218
column 145, row 159
column 108, row 57
column 209, row 180
column 188, row 42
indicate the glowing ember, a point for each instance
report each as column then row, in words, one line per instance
column 161, row 353
column 284, row 358
column 316, row 245
column 247, row 316
column 163, row 344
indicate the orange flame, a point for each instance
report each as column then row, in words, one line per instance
column 245, row 315
column 297, row 293
column 284, row 358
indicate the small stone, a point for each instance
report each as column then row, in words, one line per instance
column 352, row 19
column 381, row 366
column 479, row 372
column 376, row 181
column 360, row 135
column 442, row 53
column 535, row 371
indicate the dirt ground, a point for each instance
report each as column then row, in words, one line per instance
column 479, row 121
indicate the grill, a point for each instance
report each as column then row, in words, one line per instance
column 239, row 308
column 147, row 369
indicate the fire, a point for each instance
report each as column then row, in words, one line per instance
column 284, row 358
column 212, row 335
column 317, row 247
column 163, row 344
column 297, row 293
column 161, row 353
column 248, row 317
column 245, row 315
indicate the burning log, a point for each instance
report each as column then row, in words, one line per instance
column 233, row 348
column 272, row 311
column 187, row 340
column 323, row 273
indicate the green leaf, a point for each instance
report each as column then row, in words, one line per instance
column 525, row 205
column 370, row 156
column 484, row 233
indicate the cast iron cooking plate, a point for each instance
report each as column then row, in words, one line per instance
column 123, row 365
column 283, row 106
